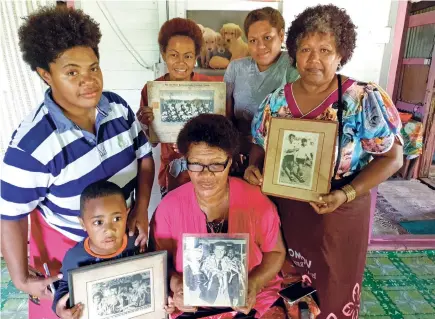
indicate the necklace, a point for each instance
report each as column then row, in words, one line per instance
column 215, row 227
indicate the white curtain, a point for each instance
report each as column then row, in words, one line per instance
column 21, row 89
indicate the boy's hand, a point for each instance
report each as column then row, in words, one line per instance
column 170, row 308
column 38, row 286
column 63, row 312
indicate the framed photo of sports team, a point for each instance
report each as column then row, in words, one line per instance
column 176, row 102
column 215, row 270
column 124, row 288
column 299, row 158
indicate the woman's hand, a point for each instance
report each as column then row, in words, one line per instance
column 145, row 115
column 138, row 219
column 253, row 175
column 330, row 201
column 63, row 312
column 251, row 298
column 38, row 286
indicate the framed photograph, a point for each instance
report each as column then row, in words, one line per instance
column 132, row 287
column 299, row 158
column 215, row 270
column 174, row 103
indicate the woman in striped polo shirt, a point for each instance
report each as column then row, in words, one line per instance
column 78, row 135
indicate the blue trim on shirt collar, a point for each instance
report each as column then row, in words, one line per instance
column 63, row 123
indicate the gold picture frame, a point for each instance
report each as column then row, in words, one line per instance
column 299, row 158
column 175, row 102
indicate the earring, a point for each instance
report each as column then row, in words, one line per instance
column 339, row 66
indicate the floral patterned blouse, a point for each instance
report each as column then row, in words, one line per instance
column 371, row 122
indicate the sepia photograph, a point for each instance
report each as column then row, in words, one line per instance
column 215, row 271
column 122, row 288
column 299, row 158
column 121, row 296
column 298, row 153
column 180, row 106
column 175, row 102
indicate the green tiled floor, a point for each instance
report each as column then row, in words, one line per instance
column 397, row 285
column 13, row 302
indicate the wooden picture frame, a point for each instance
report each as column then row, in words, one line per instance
column 131, row 287
column 175, row 102
column 299, row 158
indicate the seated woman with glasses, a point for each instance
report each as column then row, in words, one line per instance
column 213, row 202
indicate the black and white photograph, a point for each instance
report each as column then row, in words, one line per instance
column 176, row 102
column 298, row 156
column 180, row 106
column 124, row 288
column 215, row 271
column 127, row 296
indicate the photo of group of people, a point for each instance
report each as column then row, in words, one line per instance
column 181, row 106
column 127, row 296
column 214, row 271
column 298, row 157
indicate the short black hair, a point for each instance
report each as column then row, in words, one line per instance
column 221, row 244
column 304, row 140
column 97, row 190
column 323, row 19
column 51, row 30
column 212, row 129
column 291, row 135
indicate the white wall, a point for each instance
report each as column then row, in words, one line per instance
column 372, row 18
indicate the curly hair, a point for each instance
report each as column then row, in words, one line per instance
column 181, row 27
column 211, row 129
column 50, row 31
column 324, row 19
column 273, row 16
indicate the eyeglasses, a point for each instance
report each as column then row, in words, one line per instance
column 213, row 167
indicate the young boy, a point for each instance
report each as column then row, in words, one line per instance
column 103, row 215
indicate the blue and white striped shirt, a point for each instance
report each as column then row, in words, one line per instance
column 50, row 160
